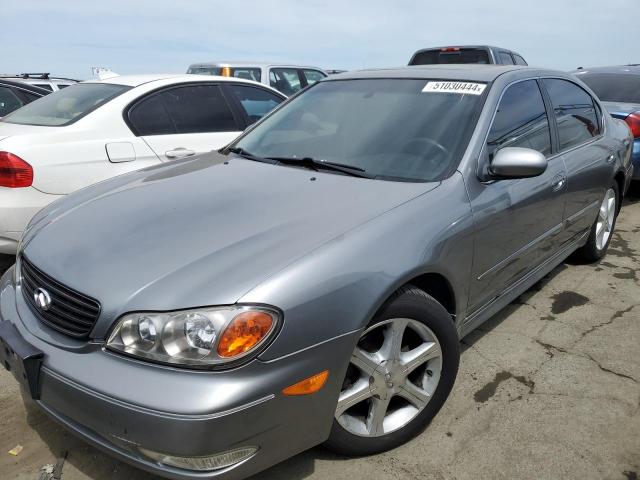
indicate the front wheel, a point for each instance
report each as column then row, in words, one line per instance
column 400, row 374
column 602, row 229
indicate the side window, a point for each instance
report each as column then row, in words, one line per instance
column 519, row 60
column 505, row 58
column 574, row 110
column 285, row 80
column 9, row 101
column 149, row 117
column 312, row 76
column 198, row 109
column 256, row 102
column 247, row 73
column 521, row 120
column 46, row 86
column 30, row 96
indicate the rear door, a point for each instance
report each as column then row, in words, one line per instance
column 586, row 152
column 517, row 221
column 184, row 120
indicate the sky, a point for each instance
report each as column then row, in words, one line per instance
column 67, row 38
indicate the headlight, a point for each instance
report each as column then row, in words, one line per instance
column 201, row 337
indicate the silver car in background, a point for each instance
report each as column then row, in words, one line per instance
column 287, row 79
column 311, row 282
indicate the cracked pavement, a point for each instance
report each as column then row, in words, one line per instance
column 549, row 388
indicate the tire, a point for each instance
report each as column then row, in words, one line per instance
column 429, row 330
column 595, row 248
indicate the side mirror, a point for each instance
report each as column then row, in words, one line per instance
column 516, row 162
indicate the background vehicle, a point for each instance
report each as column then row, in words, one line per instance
column 287, row 79
column 97, row 129
column 14, row 95
column 619, row 89
column 348, row 252
column 466, row 54
column 43, row 80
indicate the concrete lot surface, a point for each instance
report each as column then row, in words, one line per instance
column 548, row 389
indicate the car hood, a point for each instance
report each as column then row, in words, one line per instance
column 198, row 232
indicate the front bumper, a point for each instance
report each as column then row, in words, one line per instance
column 121, row 405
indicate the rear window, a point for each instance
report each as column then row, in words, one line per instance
column 614, row 87
column 66, row 106
column 246, row 73
column 462, row 55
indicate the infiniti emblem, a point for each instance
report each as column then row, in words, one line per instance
column 42, row 299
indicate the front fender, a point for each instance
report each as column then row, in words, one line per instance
column 339, row 287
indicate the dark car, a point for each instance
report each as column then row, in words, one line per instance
column 619, row 90
column 14, row 95
column 467, row 54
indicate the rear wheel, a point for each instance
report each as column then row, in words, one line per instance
column 399, row 376
column 602, row 229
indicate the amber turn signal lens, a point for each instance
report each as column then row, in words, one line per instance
column 225, row 72
column 308, row 385
column 243, row 333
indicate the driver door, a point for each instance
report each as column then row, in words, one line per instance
column 517, row 221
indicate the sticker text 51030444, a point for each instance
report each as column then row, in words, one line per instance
column 455, row 87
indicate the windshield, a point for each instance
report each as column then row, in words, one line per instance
column 394, row 129
column 459, row 55
column 614, row 87
column 66, row 106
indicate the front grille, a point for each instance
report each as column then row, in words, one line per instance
column 70, row 312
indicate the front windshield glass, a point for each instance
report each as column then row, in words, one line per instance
column 394, row 129
column 66, row 106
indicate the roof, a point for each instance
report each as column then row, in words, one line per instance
column 137, row 80
column 469, row 72
column 621, row 69
column 245, row 64
column 490, row 47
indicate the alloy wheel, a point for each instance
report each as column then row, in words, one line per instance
column 606, row 217
column 393, row 374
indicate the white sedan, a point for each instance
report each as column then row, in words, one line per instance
column 95, row 130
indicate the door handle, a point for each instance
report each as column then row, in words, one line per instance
column 559, row 181
column 179, row 153
column 611, row 158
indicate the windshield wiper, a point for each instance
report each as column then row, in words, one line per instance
column 312, row 164
column 249, row 156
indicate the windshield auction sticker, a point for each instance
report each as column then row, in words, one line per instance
column 455, row 87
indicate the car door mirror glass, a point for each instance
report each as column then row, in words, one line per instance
column 517, row 162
